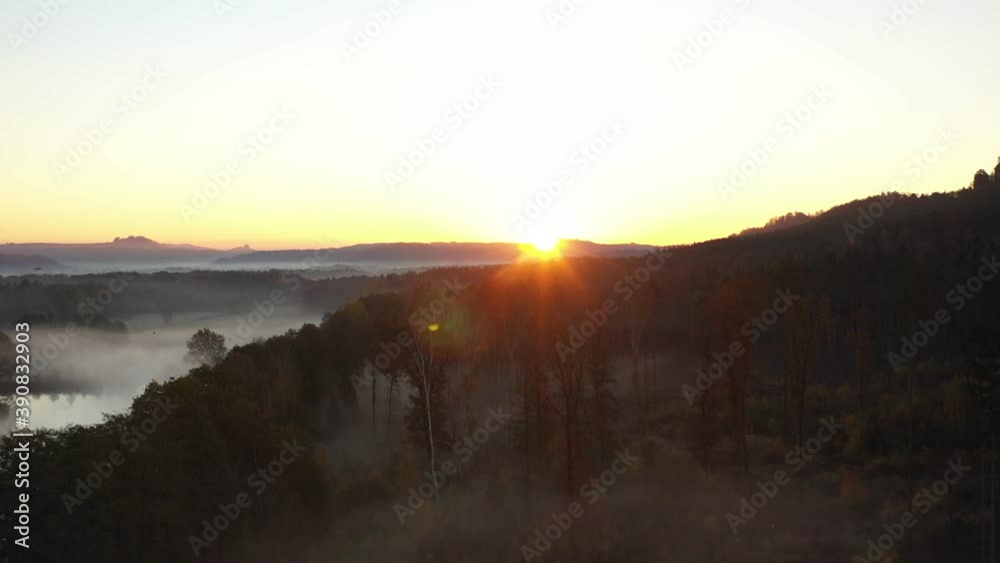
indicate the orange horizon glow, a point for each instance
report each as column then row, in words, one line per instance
column 533, row 247
column 542, row 250
column 542, row 105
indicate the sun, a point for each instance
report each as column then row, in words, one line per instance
column 544, row 248
column 546, row 244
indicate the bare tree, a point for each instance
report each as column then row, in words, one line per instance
column 420, row 370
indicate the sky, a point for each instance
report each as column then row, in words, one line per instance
column 286, row 124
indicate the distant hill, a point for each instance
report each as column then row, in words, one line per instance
column 14, row 263
column 141, row 253
column 123, row 252
column 403, row 254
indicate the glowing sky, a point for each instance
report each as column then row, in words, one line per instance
column 322, row 178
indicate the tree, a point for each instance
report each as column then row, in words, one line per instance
column 426, row 418
column 568, row 377
column 800, row 337
column 603, row 405
column 206, row 348
column 640, row 312
column 733, row 308
column 982, row 181
column 861, row 343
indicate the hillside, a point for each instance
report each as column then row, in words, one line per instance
column 425, row 254
column 16, row 263
column 120, row 251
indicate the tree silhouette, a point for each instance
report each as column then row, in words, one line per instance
column 206, row 348
column 427, row 414
column 982, row 181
